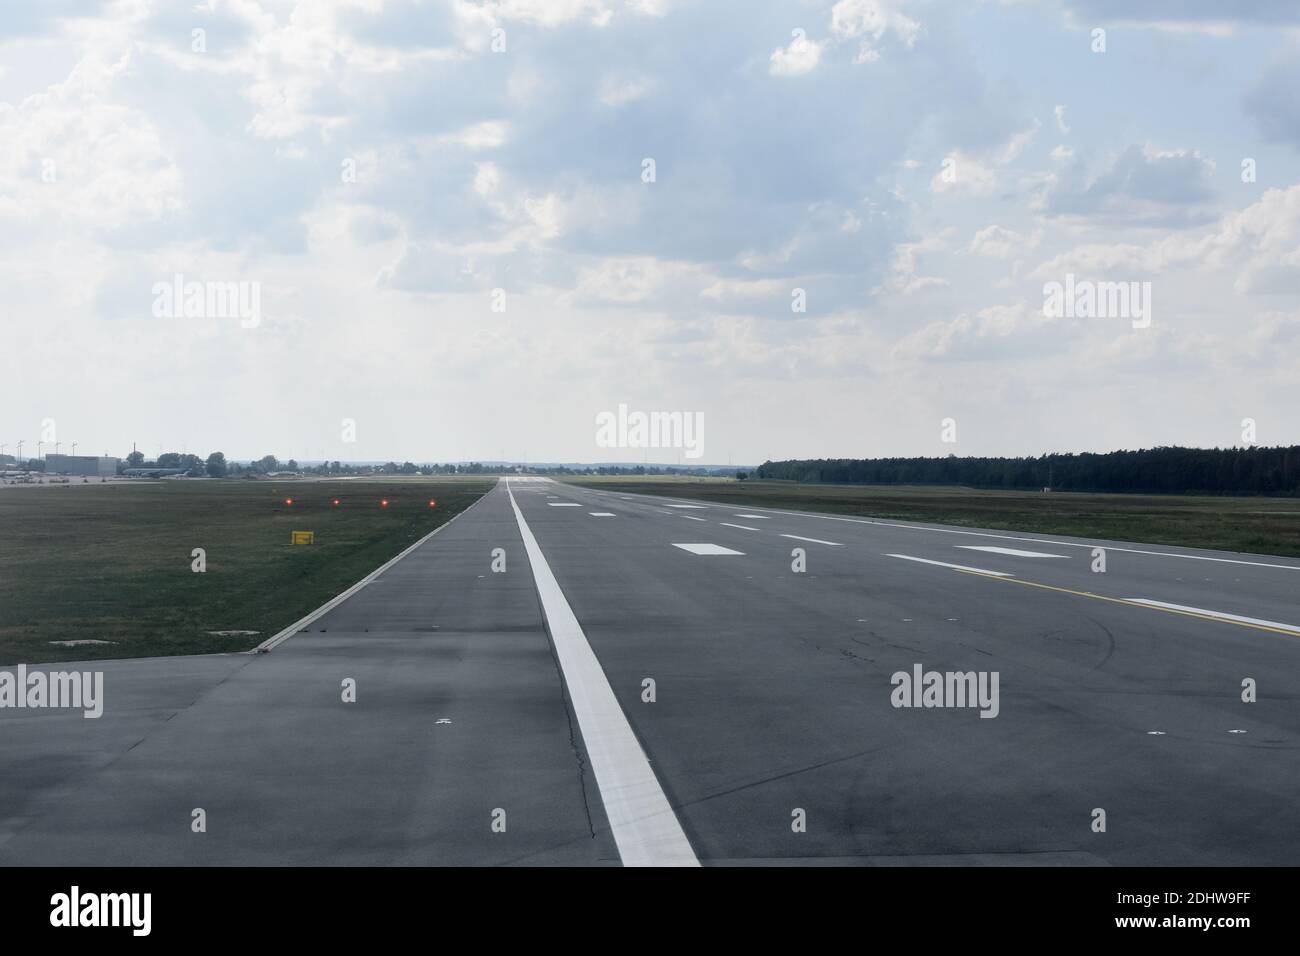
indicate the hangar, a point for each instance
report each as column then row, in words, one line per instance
column 90, row 465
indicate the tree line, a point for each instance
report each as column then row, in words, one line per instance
column 216, row 465
column 1162, row 470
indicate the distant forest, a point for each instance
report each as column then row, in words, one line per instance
column 1205, row 471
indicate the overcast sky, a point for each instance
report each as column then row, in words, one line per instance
column 376, row 169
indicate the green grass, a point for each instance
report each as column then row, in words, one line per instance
column 112, row 562
column 1268, row 526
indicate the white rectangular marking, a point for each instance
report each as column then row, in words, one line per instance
column 601, row 514
column 697, row 507
column 728, row 524
column 645, row 828
column 945, row 564
column 691, row 518
column 706, row 549
column 1219, row 614
column 564, row 504
column 759, row 517
column 1015, row 553
column 834, row 544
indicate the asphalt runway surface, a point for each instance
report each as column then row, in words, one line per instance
column 651, row 681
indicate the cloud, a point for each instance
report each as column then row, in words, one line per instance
column 1274, row 102
column 554, row 13
column 641, row 281
column 1261, row 243
column 976, row 173
column 489, row 134
column 616, row 90
column 998, row 332
column 996, row 242
column 1205, row 15
column 800, row 57
column 1139, row 185
column 71, row 157
column 523, row 170
column 1061, row 125
column 868, row 21
column 45, row 18
column 904, row 278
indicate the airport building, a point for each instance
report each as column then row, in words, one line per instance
column 88, row 465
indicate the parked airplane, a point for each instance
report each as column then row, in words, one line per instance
column 155, row 472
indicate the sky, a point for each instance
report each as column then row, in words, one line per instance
column 466, row 230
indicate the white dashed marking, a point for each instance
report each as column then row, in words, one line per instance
column 1015, row 553
column 945, row 564
column 797, row 537
column 706, row 549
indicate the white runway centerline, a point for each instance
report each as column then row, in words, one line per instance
column 945, row 564
column 759, row 517
column 696, row 507
column 601, row 514
column 1014, row 552
column 707, row 549
column 564, row 504
column 645, row 828
column 1221, row 615
column 833, row 544
column 692, row 518
column 742, row 527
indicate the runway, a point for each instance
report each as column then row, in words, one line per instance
column 650, row 681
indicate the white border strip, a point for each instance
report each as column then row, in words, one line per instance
column 645, row 828
column 1221, row 615
column 799, row 537
column 1013, row 552
column 957, row 567
column 273, row 642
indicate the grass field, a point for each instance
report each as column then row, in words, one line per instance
column 1256, row 525
column 112, row 562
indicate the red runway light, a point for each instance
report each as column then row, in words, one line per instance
column 384, row 503
column 432, row 503
column 288, row 501
column 336, row 502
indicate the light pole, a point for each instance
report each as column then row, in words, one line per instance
column 39, row 446
column 19, row 459
column 74, row 448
